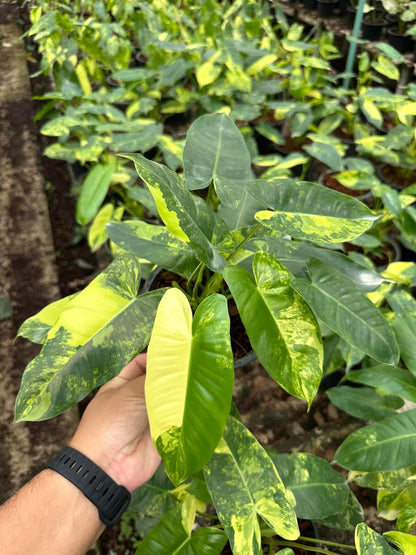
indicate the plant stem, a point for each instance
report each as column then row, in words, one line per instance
column 305, row 547
column 327, row 542
column 243, row 242
column 192, row 276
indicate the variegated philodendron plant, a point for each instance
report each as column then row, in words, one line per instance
column 269, row 245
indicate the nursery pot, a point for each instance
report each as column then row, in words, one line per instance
column 309, row 4
column 372, row 31
column 402, row 43
column 392, row 176
column 326, row 7
column 159, row 276
column 351, row 13
column 328, row 179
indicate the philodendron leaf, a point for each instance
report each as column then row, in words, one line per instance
column 310, row 211
column 295, row 254
column 389, row 379
column 214, row 148
column 319, row 490
column 280, row 325
column 404, row 326
column 93, row 335
column 383, row 446
column 154, row 243
column 190, row 221
column 93, row 192
column 405, row 542
column 347, row 311
column 189, row 381
column 364, row 402
column 173, row 535
column 244, row 484
column 369, row 542
column 326, row 153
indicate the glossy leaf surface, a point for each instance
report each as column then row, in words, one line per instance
column 347, row 311
column 295, row 254
column 97, row 332
column 386, row 445
column 281, row 327
column 214, row 148
column 388, row 379
column 154, row 243
column 404, row 326
column 190, row 221
column 243, row 483
column 189, row 381
column 173, row 535
column 319, row 490
column 310, row 211
column 405, row 542
column 369, row 542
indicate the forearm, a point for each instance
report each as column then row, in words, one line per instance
column 49, row 515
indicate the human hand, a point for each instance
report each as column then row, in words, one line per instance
column 114, row 429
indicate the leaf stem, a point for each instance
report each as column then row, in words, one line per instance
column 244, row 241
column 327, row 542
column 304, row 547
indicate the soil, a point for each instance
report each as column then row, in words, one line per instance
column 330, row 181
column 395, row 177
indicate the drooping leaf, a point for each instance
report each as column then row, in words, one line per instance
column 190, row 221
column 369, row 542
column 319, row 490
column 214, row 148
column 189, row 381
column 173, row 535
column 347, row 311
column 281, row 327
column 310, row 211
column 389, row 379
column 364, row 402
column 243, row 483
column 93, row 192
column 154, row 243
column 386, row 445
column 295, row 254
column 95, row 334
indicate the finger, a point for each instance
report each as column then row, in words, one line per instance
column 134, row 369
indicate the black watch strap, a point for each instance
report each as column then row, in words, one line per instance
column 110, row 498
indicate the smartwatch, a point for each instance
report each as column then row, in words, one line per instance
column 110, row 498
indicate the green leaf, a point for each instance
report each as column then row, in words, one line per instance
column 209, row 71
column 364, row 402
column 348, row 519
column 96, row 333
column 369, row 542
column 97, row 232
column 6, row 309
column 295, row 254
column 310, row 211
column 371, row 112
column 189, row 381
column 405, row 542
column 319, row 490
column 347, row 311
column 93, row 192
column 214, row 148
column 238, row 206
column 190, row 221
column 173, row 535
column 389, row 379
column 282, row 329
column 325, row 153
column 406, row 518
column 243, row 483
column 154, row 243
column 142, row 141
column 386, row 445
column 154, row 498
column 404, row 326
column 396, row 480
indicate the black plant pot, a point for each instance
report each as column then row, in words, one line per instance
column 402, row 43
column 326, row 7
column 372, row 31
column 351, row 13
column 343, row 5
column 309, row 4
